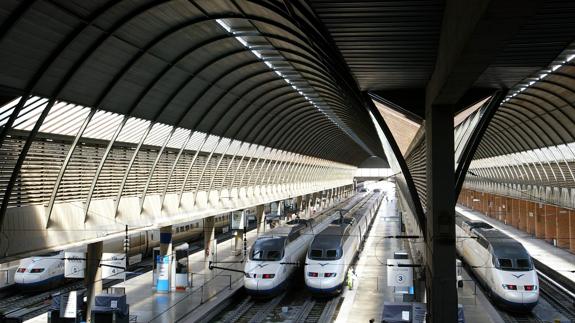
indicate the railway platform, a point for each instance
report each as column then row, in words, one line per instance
column 148, row 306
column 366, row 300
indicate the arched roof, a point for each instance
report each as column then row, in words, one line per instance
column 243, row 70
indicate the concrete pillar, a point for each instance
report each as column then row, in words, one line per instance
column 260, row 219
column 563, row 228
column 550, row 222
column 522, row 223
column 93, row 277
column 306, row 210
column 440, row 243
column 571, row 230
column 299, row 204
column 238, row 242
column 328, row 200
column 313, row 204
column 535, row 223
column 166, row 240
column 209, row 237
column 515, row 213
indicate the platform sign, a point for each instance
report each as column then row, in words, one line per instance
column 238, row 220
column 163, row 265
column 113, row 265
column 398, row 276
column 74, row 264
column 68, row 305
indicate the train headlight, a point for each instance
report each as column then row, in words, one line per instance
column 329, row 274
column 21, row 270
column 268, row 276
column 36, row 270
column 509, row 287
column 312, row 274
column 530, row 287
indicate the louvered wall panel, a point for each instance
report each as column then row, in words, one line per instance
column 177, row 179
column 139, row 173
column 416, row 162
column 80, row 171
column 194, row 176
column 113, row 171
column 163, row 168
column 39, row 171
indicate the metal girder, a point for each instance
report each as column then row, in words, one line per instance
column 475, row 138
column 158, row 157
column 411, row 190
column 204, row 169
column 101, row 166
column 127, row 173
column 174, row 165
column 65, row 165
column 190, row 170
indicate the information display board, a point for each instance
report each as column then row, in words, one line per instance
column 163, row 267
column 74, row 264
column 113, row 265
column 398, row 276
column 238, row 220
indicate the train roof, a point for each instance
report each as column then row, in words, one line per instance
column 331, row 237
column 502, row 245
column 289, row 228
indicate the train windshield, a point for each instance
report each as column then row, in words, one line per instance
column 325, row 254
column 512, row 257
column 268, row 249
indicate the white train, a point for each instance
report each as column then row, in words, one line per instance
column 47, row 271
column 502, row 265
column 276, row 255
column 332, row 251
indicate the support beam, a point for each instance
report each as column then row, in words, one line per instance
column 473, row 33
column 163, row 285
column 93, row 277
column 209, row 245
column 404, row 179
column 299, row 205
column 475, row 138
column 260, row 219
column 440, row 229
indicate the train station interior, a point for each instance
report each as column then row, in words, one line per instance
column 287, row 161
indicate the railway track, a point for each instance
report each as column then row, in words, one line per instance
column 253, row 311
column 562, row 299
column 519, row 318
column 318, row 310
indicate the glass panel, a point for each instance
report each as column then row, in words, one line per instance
column 331, row 254
column 505, row 263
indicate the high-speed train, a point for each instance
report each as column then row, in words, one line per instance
column 274, row 257
column 502, row 265
column 332, row 251
column 47, row 271
column 277, row 254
